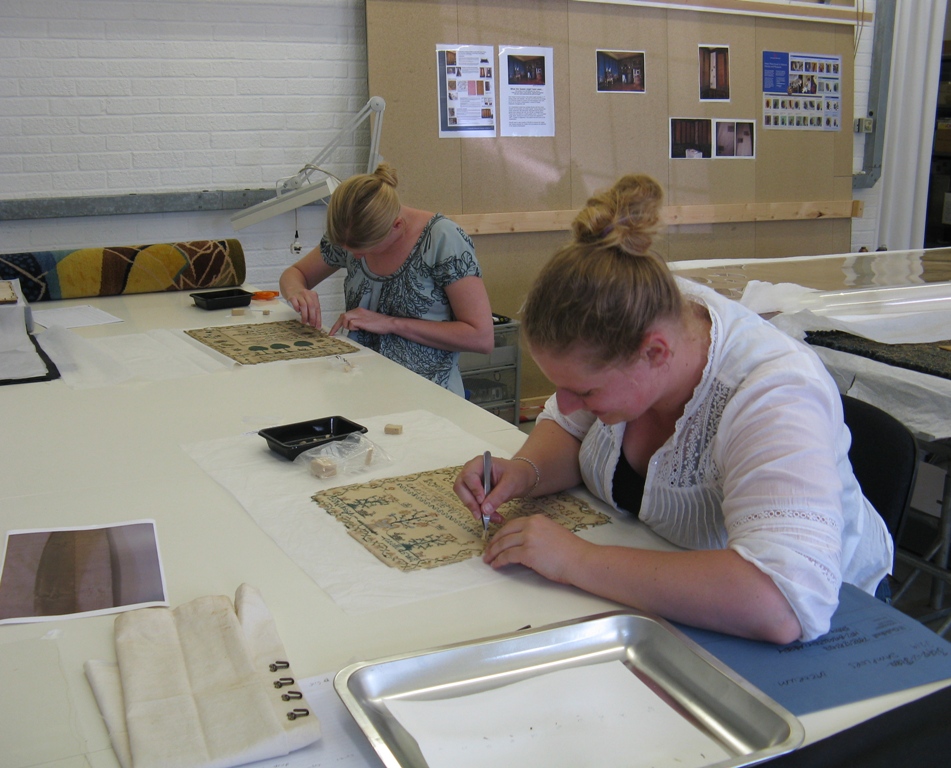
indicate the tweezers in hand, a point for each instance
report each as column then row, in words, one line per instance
column 486, row 486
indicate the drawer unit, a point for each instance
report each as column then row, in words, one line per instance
column 505, row 352
column 491, row 386
column 492, row 380
column 506, row 412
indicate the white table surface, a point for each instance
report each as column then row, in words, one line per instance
column 79, row 457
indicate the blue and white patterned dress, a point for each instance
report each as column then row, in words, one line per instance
column 443, row 254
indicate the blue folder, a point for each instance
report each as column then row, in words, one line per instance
column 871, row 649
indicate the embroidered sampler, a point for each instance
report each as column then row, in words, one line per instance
column 417, row 521
column 253, row 343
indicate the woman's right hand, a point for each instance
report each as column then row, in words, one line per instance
column 306, row 303
column 510, row 479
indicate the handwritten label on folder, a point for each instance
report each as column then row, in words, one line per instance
column 871, row 649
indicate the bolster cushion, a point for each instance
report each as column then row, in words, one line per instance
column 70, row 274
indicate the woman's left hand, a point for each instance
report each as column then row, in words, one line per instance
column 539, row 543
column 361, row 319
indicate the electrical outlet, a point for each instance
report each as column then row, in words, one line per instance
column 864, row 125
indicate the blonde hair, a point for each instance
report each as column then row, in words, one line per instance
column 362, row 210
column 603, row 290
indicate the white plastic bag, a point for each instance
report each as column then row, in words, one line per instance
column 352, row 455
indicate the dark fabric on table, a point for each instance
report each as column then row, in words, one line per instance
column 924, row 358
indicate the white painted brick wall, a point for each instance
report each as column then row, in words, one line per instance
column 102, row 97
column 123, row 96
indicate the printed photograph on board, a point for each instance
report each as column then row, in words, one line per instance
column 734, row 138
column 691, row 138
column 526, row 70
column 621, row 71
column 464, row 95
column 714, row 63
column 801, row 91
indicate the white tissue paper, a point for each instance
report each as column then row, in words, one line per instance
column 155, row 355
column 914, row 314
column 193, row 687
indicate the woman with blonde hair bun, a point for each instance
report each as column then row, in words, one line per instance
column 413, row 288
column 686, row 410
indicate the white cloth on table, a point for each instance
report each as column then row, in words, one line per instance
column 757, row 463
column 193, row 687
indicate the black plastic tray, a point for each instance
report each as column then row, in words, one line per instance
column 222, row 299
column 291, row 440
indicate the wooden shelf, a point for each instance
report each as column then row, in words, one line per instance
column 674, row 215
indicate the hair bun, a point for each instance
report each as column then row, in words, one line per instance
column 386, row 173
column 626, row 216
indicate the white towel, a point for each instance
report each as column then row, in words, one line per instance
column 194, row 688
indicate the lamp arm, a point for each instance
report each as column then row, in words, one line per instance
column 375, row 106
column 298, row 190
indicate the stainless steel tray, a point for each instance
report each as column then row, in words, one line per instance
column 706, row 693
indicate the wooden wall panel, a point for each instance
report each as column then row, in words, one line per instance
column 401, row 57
column 697, row 182
column 512, row 173
column 599, row 136
column 616, row 133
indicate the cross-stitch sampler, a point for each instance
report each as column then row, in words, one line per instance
column 417, row 521
column 253, row 343
column 277, row 494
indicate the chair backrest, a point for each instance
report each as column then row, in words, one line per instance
column 884, row 456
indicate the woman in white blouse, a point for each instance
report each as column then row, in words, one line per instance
column 677, row 405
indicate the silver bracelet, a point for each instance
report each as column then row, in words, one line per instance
column 538, row 475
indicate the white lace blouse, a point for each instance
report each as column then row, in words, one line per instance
column 757, row 463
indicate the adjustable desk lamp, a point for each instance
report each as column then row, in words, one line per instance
column 298, row 190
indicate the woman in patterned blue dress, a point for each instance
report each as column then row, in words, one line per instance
column 413, row 288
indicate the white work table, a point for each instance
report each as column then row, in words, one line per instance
column 81, row 457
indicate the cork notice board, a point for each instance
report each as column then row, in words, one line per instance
column 516, row 195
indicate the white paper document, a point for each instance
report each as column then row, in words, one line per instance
column 598, row 715
column 526, row 91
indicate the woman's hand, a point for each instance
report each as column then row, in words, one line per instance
column 306, row 303
column 360, row 319
column 510, row 479
column 296, row 283
column 539, row 543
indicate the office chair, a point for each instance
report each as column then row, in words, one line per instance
column 884, row 456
